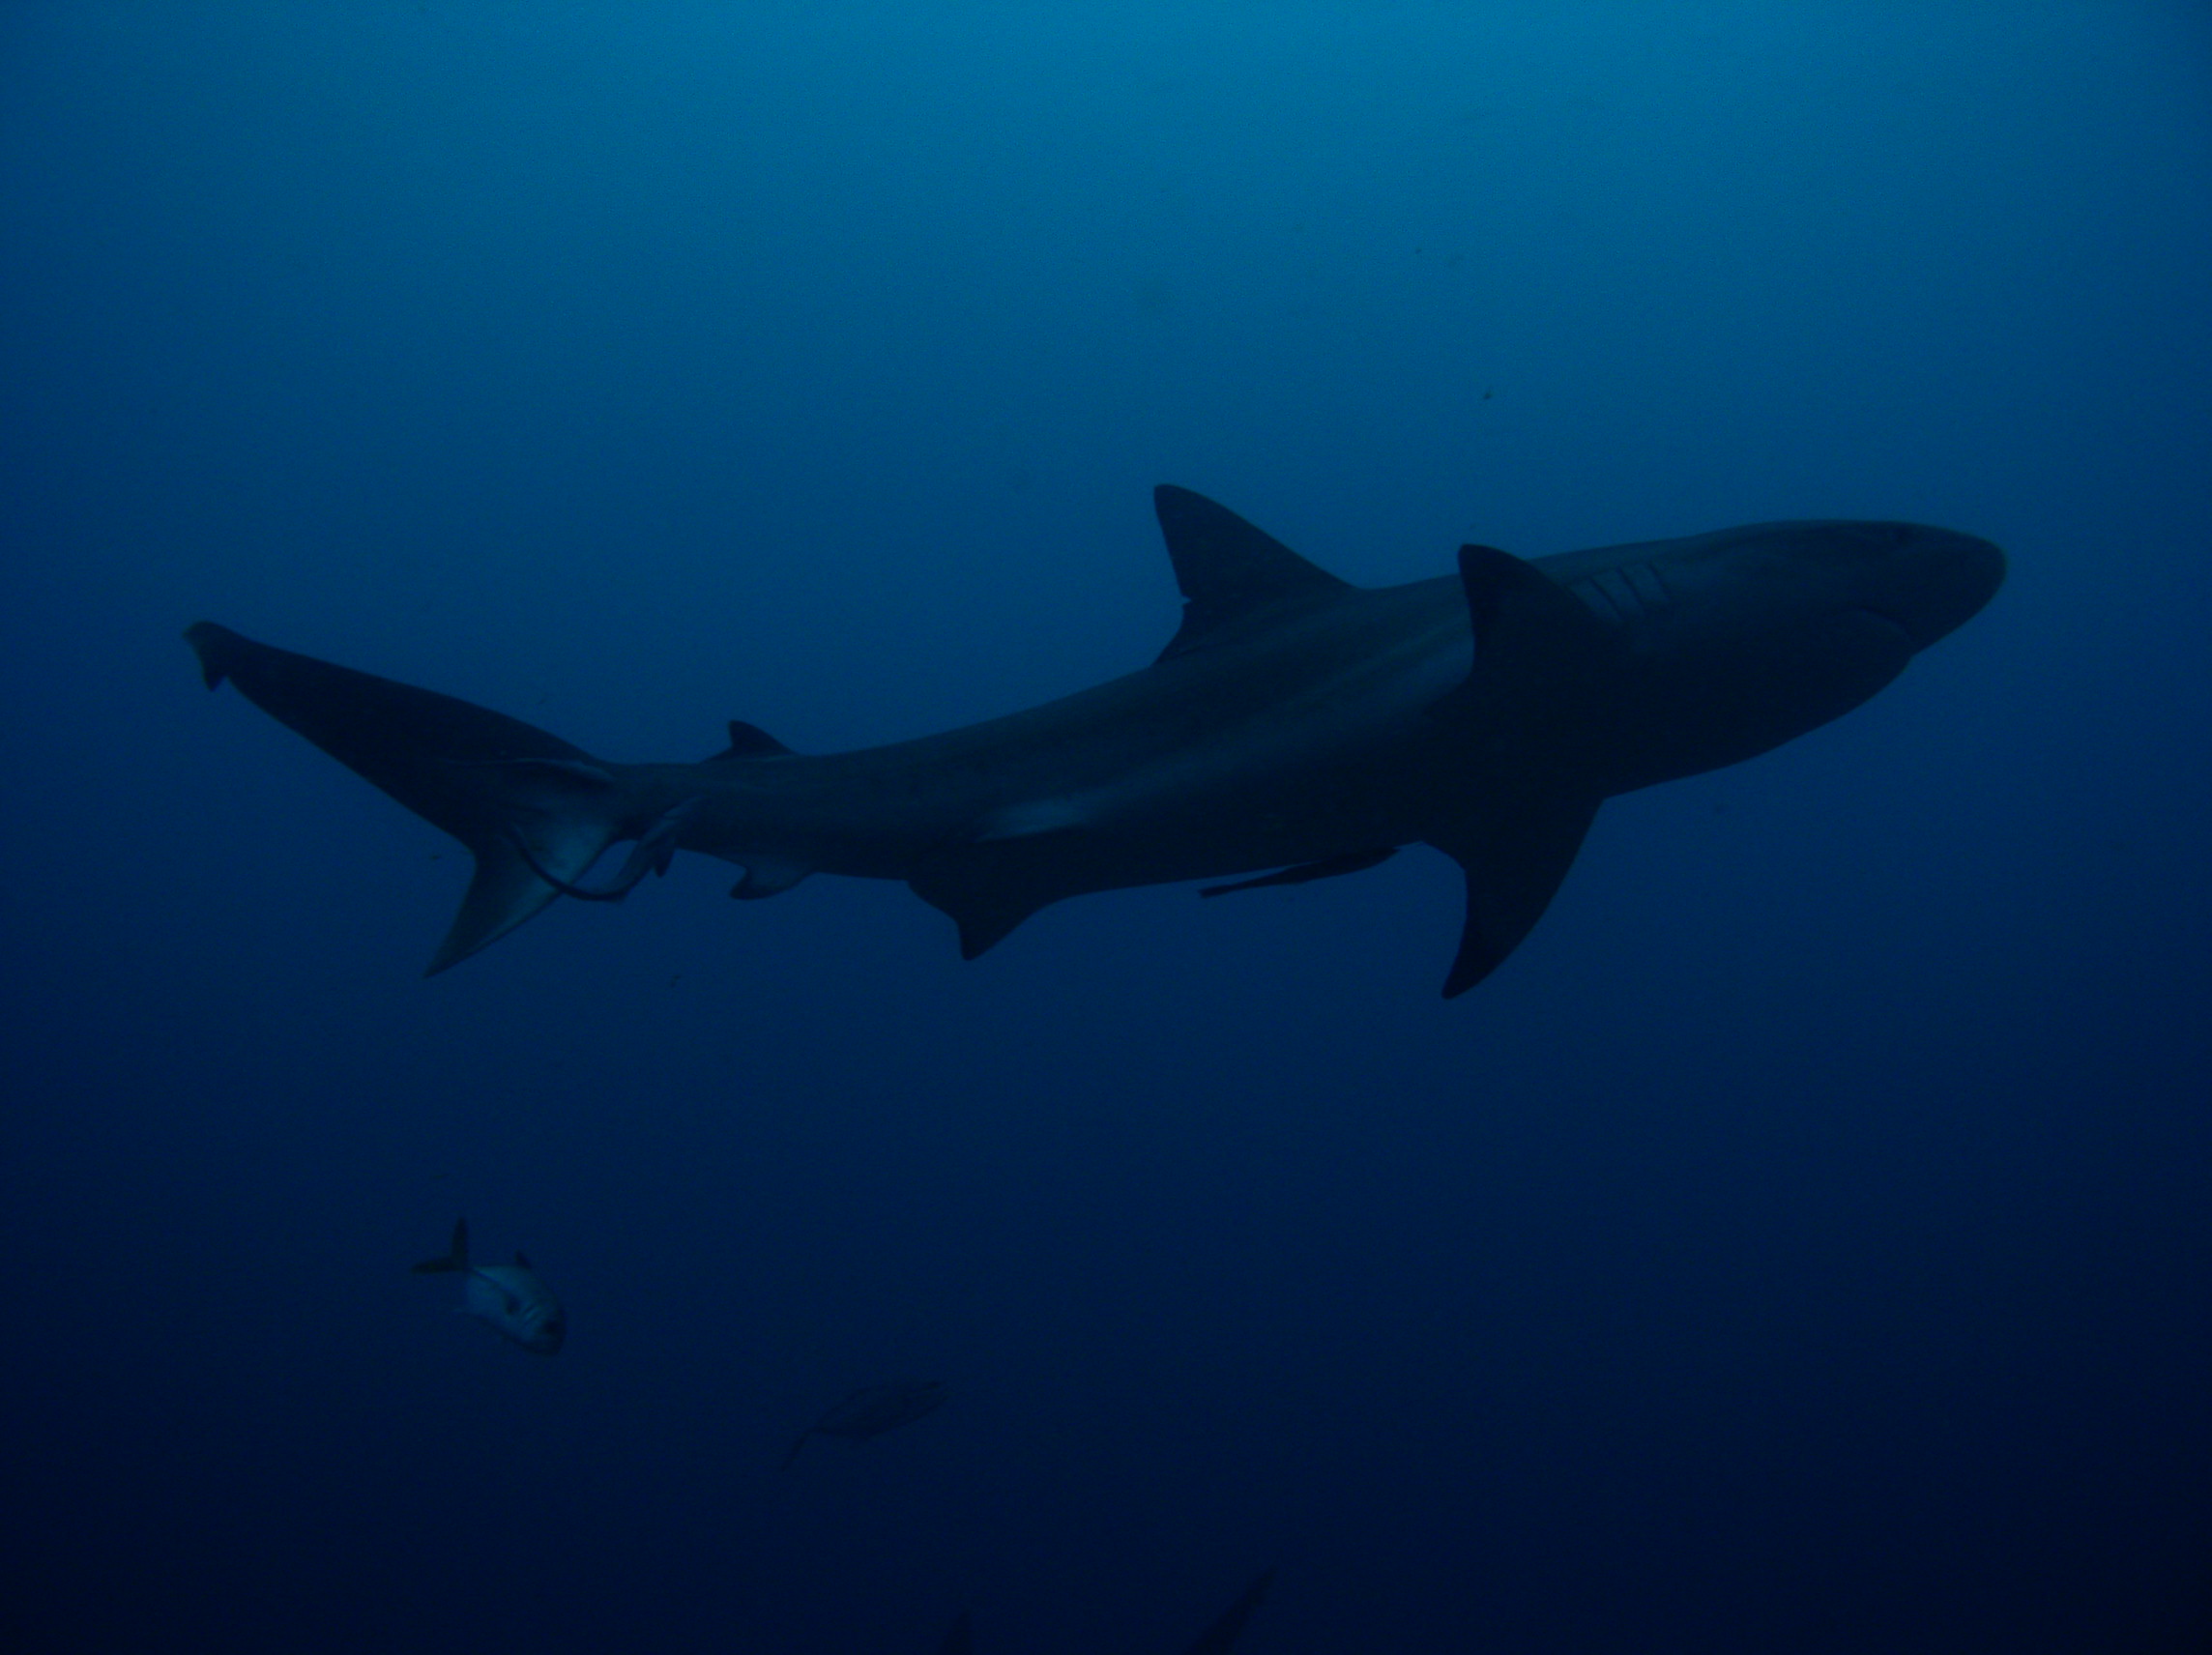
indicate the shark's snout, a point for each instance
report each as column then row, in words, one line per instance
column 1936, row 581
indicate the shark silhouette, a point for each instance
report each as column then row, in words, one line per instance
column 872, row 1410
column 1293, row 723
column 1218, row 1638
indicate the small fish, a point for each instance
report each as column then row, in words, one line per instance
column 872, row 1410
column 509, row 1296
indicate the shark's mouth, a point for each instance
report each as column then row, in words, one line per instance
column 1906, row 640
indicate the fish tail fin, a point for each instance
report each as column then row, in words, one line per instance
column 533, row 810
column 794, row 1448
column 1217, row 1638
column 960, row 1636
column 456, row 1258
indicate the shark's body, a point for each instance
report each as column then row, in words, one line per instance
column 1294, row 722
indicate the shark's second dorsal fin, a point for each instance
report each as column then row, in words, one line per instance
column 1227, row 569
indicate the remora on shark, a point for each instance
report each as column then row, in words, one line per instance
column 1294, row 722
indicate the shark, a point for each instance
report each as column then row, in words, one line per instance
column 1218, row 1638
column 1296, row 727
column 872, row 1410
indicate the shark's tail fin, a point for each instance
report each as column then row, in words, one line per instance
column 534, row 811
column 1217, row 1638
column 796, row 1446
column 456, row 1258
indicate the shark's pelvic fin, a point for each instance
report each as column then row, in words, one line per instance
column 533, row 811
column 1522, row 751
column 769, row 875
column 1227, row 569
column 986, row 896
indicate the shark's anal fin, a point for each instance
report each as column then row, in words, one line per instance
column 1522, row 747
column 1329, row 867
column 1514, row 861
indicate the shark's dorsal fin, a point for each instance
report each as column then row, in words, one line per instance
column 751, row 741
column 1227, row 569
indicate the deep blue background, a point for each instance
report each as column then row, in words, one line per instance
column 1803, row 1244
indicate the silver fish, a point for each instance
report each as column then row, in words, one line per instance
column 509, row 1296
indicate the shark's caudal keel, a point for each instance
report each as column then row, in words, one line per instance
column 1293, row 723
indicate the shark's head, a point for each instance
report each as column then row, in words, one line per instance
column 1924, row 582
column 1746, row 638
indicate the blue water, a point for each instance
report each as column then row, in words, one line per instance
column 1803, row 1244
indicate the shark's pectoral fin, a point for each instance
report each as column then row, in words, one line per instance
column 1514, row 861
column 1522, row 748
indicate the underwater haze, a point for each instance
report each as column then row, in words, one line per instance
column 1803, row 1243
